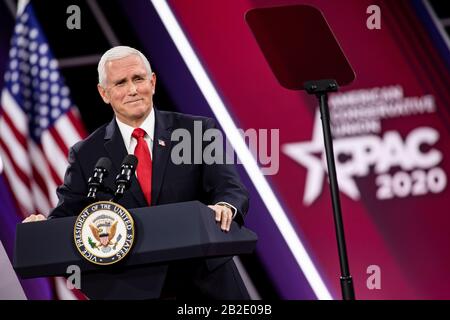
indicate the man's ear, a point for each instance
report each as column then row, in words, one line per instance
column 153, row 82
column 103, row 93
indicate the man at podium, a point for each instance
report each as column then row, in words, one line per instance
column 127, row 83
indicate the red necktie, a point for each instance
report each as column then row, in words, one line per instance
column 144, row 167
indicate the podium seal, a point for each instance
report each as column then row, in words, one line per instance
column 104, row 232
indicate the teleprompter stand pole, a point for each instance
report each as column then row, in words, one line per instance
column 320, row 89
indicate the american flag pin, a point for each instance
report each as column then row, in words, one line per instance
column 161, row 142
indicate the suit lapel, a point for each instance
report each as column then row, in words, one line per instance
column 116, row 150
column 161, row 151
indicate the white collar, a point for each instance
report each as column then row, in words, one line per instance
column 148, row 125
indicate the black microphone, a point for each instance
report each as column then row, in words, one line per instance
column 123, row 179
column 101, row 171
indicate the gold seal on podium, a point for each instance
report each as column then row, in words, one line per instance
column 104, row 232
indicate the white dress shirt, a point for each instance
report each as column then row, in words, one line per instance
column 148, row 125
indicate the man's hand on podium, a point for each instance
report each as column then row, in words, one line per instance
column 35, row 217
column 224, row 215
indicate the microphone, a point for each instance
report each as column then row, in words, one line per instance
column 123, row 179
column 101, row 171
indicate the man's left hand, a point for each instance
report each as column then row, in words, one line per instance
column 224, row 215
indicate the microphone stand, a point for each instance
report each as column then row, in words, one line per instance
column 320, row 89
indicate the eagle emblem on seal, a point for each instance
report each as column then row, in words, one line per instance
column 104, row 230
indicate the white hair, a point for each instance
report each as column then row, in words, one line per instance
column 119, row 52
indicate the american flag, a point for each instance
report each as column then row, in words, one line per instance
column 38, row 120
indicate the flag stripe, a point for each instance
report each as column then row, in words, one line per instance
column 53, row 152
column 41, row 203
column 67, row 130
column 74, row 117
column 19, row 153
column 59, row 142
column 50, row 168
column 65, row 293
column 39, row 182
column 40, row 164
column 20, row 174
column 13, row 110
column 79, row 295
column 6, row 120
column 61, row 289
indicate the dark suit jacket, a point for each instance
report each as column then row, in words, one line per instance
column 170, row 183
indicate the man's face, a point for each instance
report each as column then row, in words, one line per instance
column 128, row 89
